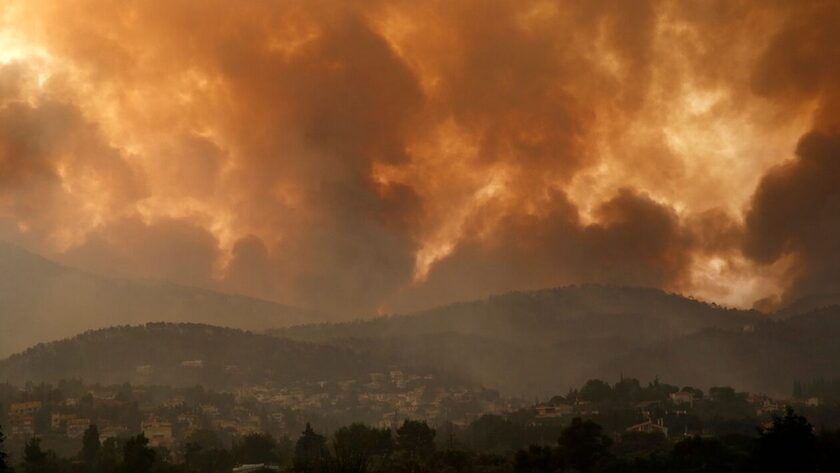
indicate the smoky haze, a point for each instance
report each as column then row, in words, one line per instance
column 375, row 156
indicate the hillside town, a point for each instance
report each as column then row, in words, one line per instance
column 167, row 416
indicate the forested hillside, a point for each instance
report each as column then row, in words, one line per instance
column 182, row 355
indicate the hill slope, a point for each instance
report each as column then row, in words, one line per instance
column 531, row 343
column 155, row 354
column 560, row 352
column 547, row 316
column 41, row 300
column 767, row 359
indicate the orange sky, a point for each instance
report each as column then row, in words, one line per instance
column 371, row 156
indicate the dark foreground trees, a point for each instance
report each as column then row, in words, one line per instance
column 361, row 449
column 205, row 453
column 311, row 452
column 137, row 456
column 90, row 449
column 4, row 467
column 790, row 444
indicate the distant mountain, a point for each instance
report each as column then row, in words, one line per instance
column 528, row 344
column 808, row 303
column 532, row 342
column 42, row 300
column 768, row 357
column 548, row 316
column 182, row 355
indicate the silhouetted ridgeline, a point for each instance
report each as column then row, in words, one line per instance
column 528, row 343
column 42, row 300
column 181, row 355
column 548, row 316
column 521, row 344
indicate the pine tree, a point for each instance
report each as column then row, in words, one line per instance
column 311, row 452
column 34, row 458
column 137, row 456
column 90, row 448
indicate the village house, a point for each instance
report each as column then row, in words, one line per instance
column 158, row 432
column 22, row 426
column 682, row 397
column 24, row 408
column 76, row 427
column 108, row 430
column 551, row 410
column 57, row 420
column 650, row 427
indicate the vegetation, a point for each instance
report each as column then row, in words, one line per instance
column 4, row 467
column 516, row 344
column 790, row 443
column 228, row 358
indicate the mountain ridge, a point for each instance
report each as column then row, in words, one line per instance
column 181, row 354
column 45, row 300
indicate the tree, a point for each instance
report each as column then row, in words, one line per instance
column 627, row 390
column 256, row 448
column 110, row 455
column 206, row 439
column 415, row 447
column 4, row 467
column 358, row 445
column 36, row 460
column 137, row 456
column 702, row 455
column 90, row 448
column 416, row 439
column 492, row 433
column 789, row 445
column 722, row 393
column 311, row 453
column 205, row 453
column 596, row 390
column 537, row 459
column 583, row 446
column 828, row 451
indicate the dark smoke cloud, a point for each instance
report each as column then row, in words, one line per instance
column 380, row 155
column 796, row 210
column 637, row 242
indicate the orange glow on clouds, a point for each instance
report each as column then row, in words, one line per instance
column 355, row 157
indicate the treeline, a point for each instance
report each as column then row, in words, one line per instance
column 790, row 444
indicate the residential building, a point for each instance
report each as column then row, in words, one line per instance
column 649, row 427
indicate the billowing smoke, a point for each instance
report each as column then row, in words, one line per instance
column 364, row 156
column 796, row 210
